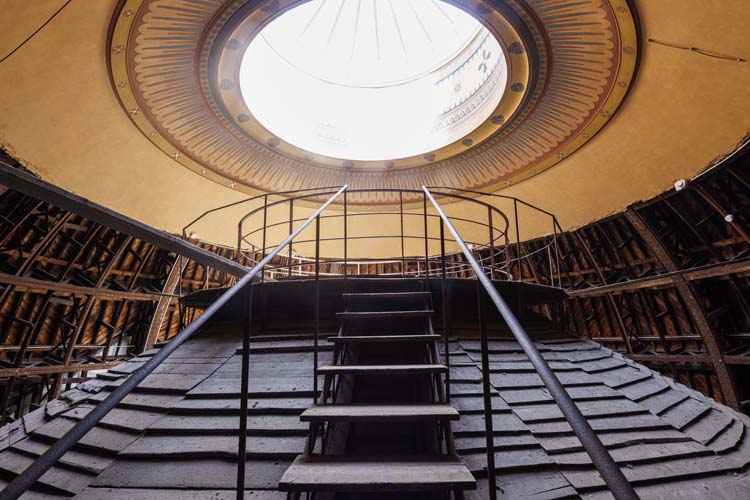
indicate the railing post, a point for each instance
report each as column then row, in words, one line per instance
column 549, row 261
column 291, row 230
column 518, row 240
column 346, row 236
column 426, row 246
column 247, row 301
column 239, row 242
column 180, row 309
column 492, row 243
column 316, row 305
column 401, row 215
column 265, row 218
column 488, row 427
column 557, row 252
column 444, row 288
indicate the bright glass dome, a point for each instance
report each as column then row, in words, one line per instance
column 373, row 79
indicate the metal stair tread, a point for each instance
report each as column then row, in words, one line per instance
column 380, row 369
column 387, row 295
column 365, row 339
column 379, row 412
column 384, row 314
column 376, row 474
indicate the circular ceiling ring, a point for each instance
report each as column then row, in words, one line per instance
column 174, row 67
column 247, row 23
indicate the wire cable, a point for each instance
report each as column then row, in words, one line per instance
column 698, row 50
column 40, row 28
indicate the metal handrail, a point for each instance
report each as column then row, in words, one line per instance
column 501, row 229
column 496, row 246
column 29, row 477
column 618, row 485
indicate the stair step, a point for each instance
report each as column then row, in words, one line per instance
column 380, row 369
column 370, row 339
column 388, row 295
column 384, row 314
column 376, row 474
column 379, row 413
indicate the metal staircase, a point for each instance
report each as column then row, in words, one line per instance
column 381, row 424
column 382, row 441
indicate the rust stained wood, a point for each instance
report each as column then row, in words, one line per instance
column 54, row 369
column 38, row 249
column 714, row 203
column 694, row 308
column 37, row 188
column 671, row 358
column 19, row 223
column 164, row 302
column 120, row 307
column 87, row 309
column 737, row 360
column 23, row 283
column 610, row 299
column 84, row 316
column 46, row 347
column 32, row 332
column 668, row 279
column 708, row 245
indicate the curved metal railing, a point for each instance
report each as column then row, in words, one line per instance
column 494, row 220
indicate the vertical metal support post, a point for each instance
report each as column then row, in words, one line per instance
column 346, row 236
column 180, row 308
column 247, row 301
column 426, row 247
column 488, row 429
column 518, row 240
column 549, row 262
column 291, row 230
column 316, row 305
column 443, row 290
column 401, row 215
column 265, row 219
column 492, row 243
column 239, row 242
column 557, row 253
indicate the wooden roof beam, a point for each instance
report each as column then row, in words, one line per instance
column 25, row 283
column 694, row 308
column 668, row 279
column 28, row 184
column 49, row 369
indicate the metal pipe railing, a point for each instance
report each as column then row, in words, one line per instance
column 618, row 485
column 497, row 224
column 29, row 477
column 498, row 231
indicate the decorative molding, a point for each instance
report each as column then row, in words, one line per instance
column 172, row 64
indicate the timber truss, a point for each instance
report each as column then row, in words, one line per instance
column 77, row 297
column 666, row 282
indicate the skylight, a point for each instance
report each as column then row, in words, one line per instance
column 373, row 79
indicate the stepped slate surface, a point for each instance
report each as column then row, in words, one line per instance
column 176, row 437
column 671, row 441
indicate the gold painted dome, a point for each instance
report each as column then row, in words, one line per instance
column 564, row 68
